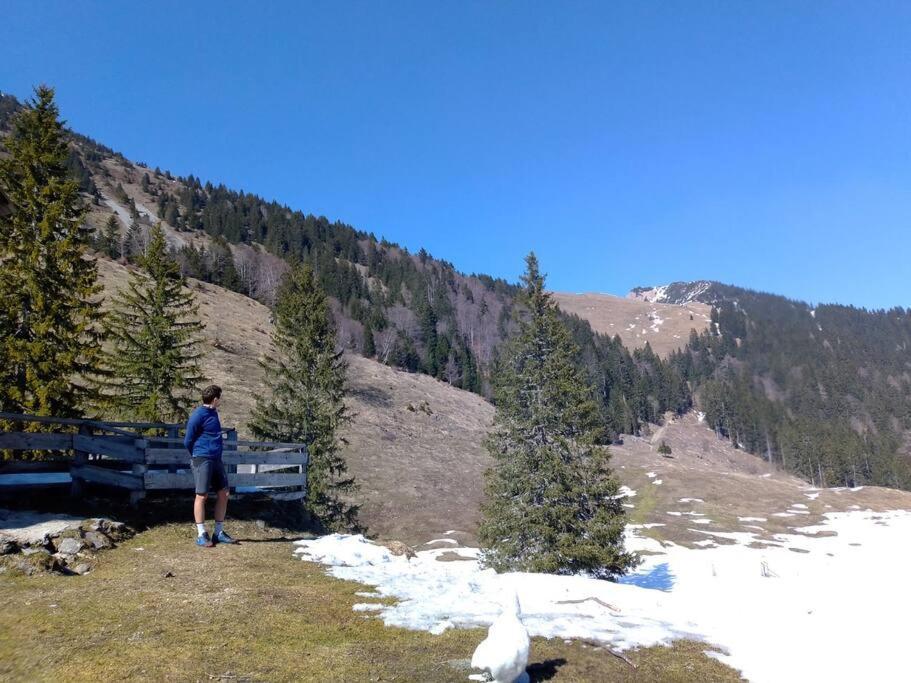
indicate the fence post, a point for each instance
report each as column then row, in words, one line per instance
column 172, row 434
column 231, row 445
column 140, row 469
column 80, row 457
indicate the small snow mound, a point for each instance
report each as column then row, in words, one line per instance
column 340, row 550
column 624, row 492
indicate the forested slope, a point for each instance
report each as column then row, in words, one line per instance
column 407, row 310
column 825, row 392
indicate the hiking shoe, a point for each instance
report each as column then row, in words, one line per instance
column 204, row 541
column 223, row 537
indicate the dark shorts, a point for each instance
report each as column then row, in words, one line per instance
column 209, row 475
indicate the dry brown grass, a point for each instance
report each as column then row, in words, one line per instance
column 636, row 320
column 414, row 446
column 731, row 483
column 253, row 613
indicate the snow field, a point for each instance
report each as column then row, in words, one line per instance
column 777, row 614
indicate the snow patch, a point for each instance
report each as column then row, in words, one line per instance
column 624, row 492
column 749, row 601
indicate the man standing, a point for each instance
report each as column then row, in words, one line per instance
column 203, row 441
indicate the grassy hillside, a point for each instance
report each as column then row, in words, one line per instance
column 157, row 608
column 415, row 444
column 665, row 327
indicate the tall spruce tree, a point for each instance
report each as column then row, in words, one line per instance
column 152, row 369
column 552, row 503
column 305, row 398
column 49, row 310
column 109, row 239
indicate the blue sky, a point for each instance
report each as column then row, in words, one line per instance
column 761, row 144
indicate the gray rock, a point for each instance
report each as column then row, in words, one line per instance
column 260, row 524
column 98, row 540
column 8, row 547
column 82, row 568
column 32, row 549
column 70, row 546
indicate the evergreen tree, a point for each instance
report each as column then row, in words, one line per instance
column 134, row 242
column 305, row 399
column 49, row 314
column 552, row 504
column 152, row 370
column 109, row 242
column 369, row 350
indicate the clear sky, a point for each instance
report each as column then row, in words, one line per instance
column 764, row 144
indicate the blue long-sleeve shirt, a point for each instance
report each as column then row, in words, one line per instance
column 203, row 437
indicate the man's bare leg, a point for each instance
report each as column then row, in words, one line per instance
column 221, row 506
column 199, row 509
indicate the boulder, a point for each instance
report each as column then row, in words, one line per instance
column 37, row 562
column 8, row 547
column 399, row 548
column 70, row 546
column 98, row 540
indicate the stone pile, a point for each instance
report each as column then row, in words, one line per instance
column 68, row 550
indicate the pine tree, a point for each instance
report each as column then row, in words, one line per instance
column 305, row 399
column 109, row 243
column 152, row 368
column 49, row 312
column 369, row 350
column 134, row 242
column 552, row 503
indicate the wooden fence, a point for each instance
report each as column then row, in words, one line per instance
column 122, row 455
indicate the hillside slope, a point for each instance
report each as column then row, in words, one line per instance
column 414, row 446
column 665, row 327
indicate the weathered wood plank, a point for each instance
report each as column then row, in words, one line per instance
column 168, row 456
column 41, row 419
column 116, row 447
column 160, row 479
column 38, row 441
column 270, row 444
column 102, row 475
column 288, row 495
column 160, row 440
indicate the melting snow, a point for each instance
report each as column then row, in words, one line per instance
column 748, row 601
column 691, row 500
column 624, row 492
column 752, row 519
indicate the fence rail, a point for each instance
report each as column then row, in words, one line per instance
column 123, row 455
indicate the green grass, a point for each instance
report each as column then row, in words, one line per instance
column 252, row 612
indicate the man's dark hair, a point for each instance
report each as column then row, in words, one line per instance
column 210, row 393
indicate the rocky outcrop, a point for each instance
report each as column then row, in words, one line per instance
column 69, row 548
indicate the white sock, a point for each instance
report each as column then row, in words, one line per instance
column 200, row 529
column 219, row 526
